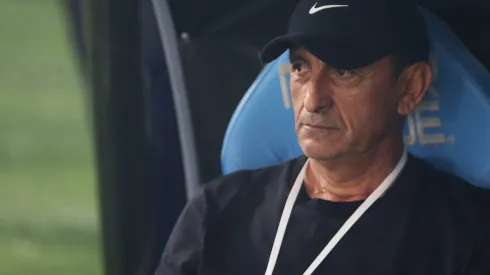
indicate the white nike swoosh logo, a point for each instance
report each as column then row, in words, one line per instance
column 315, row 9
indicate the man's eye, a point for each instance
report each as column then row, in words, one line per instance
column 298, row 67
column 344, row 73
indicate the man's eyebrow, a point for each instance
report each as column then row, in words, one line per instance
column 295, row 56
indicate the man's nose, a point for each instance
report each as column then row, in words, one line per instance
column 317, row 97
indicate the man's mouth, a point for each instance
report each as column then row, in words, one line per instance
column 319, row 127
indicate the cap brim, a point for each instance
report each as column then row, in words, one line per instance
column 334, row 51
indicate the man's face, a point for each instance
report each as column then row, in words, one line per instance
column 339, row 112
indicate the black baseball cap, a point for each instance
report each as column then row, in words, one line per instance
column 349, row 34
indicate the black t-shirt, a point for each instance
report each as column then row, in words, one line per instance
column 428, row 222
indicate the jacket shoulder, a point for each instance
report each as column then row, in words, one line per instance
column 222, row 190
column 458, row 194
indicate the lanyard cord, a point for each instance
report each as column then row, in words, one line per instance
column 288, row 209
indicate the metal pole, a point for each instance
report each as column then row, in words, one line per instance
column 177, row 83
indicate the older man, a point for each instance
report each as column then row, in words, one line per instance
column 356, row 203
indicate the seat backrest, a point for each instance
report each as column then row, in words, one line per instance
column 450, row 128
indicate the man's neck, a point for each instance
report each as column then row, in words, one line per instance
column 352, row 178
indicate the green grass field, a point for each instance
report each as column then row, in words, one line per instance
column 48, row 213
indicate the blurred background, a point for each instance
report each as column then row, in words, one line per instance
column 48, row 205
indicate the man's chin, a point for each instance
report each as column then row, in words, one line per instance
column 319, row 151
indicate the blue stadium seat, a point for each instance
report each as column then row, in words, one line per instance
column 450, row 128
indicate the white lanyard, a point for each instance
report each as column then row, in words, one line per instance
column 288, row 208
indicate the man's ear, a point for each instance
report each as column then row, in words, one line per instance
column 414, row 81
